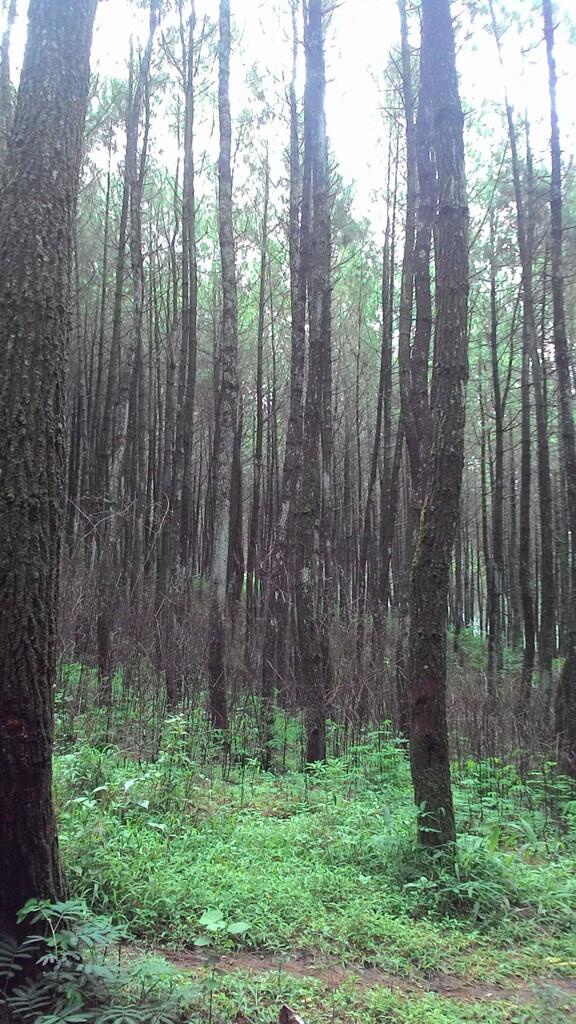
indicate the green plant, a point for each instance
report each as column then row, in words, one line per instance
column 213, row 923
column 473, row 883
column 63, row 974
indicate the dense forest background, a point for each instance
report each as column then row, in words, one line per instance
column 145, row 363
column 297, row 511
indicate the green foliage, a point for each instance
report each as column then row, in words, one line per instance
column 65, row 975
column 214, row 923
column 322, row 860
column 197, row 847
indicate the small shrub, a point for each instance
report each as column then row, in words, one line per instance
column 63, row 975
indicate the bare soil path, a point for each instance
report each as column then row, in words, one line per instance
column 332, row 975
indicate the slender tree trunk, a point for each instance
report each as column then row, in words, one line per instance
column 228, row 392
column 407, row 409
column 254, row 530
column 525, row 231
column 512, row 548
column 368, row 518
column 235, row 571
column 524, row 548
column 276, row 607
column 188, row 358
column 565, row 711
column 107, row 438
column 95, row 425
column 134, row 406
column 497, row 565
column 391, row 453
column 112, row 435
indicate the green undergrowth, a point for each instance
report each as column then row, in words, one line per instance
column 325, row 861
column 218, row 997
column 86, row 979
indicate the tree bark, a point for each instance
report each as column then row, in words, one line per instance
column 6, row 105
column 37, row 211
column 524, row 547
column 188, row 358
column 429, row 752
column 255, row 528
column 228, row 392
column 565, row 711
column 278, row 583
column 313, row 650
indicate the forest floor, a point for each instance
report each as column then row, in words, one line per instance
column 246, row 890
column 331, row 975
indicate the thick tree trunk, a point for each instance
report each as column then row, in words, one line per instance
column 37, row 210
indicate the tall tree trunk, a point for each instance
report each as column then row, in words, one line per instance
column 524, row 547
column 177, row 539
column 407, row 410
column 565, row 711
column 391, row 454
column 112, row 437
column 185, row 425
column 383, row 398
column 497, row 564
column 311, row 610
column 278, row 583
column 235, row 571
column 525, row 231
column 95, row 425
column 515, row 623
column 228, row 392
column 134, row 405
column 429, row 754
column 546, row 640
column 254, row 529
column 6, row 111
column 37, row 211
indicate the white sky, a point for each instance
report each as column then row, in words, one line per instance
column 360, row 38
